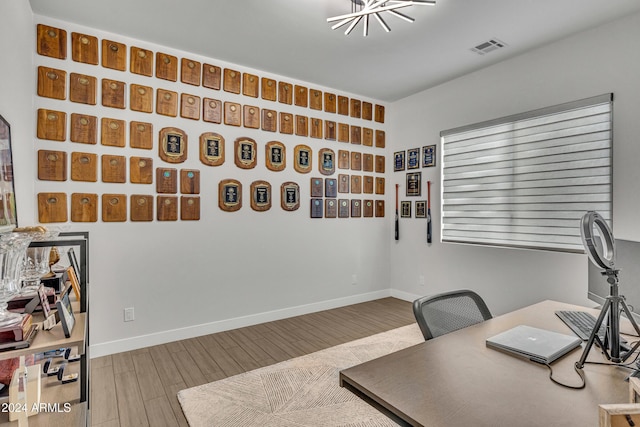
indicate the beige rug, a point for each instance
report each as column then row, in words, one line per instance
column 299, row 392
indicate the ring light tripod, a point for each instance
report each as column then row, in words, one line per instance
column 602, row 253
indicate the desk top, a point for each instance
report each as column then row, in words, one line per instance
column 455, row 380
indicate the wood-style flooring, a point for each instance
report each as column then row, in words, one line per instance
column 138, row 388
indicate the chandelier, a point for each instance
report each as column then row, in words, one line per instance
column 362, row 9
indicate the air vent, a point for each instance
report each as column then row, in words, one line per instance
column 488, row 46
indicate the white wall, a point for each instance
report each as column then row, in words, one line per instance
column 598, row 61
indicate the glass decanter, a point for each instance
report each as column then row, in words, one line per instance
column 35, row 263
column 12, row 251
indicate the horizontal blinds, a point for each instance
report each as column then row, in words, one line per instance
column 526, row 180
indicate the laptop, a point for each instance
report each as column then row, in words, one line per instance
column 538, row 345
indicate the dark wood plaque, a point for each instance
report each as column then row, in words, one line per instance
column 301, row 96
column 84, row 48
column 329, row 130
column 212, row 149
column 230, row 195
column 212, row 110
column 356, row 161
column 330, row 208
column 140, row 170
column 114, row 55
column 380, row 164
column 330, row 187
column 343, row 132
column 52, row 207
column 286, row 123
column 330, row 102
column 167, row 209
column 211, row 76
column 232, row 114
column 231, row 81
column 367, row 162
column 189, row 181
column 84, row 207
column 316, row 208
column 356, row 108
column 289, row 196
column 52, row 125
column 83, row 128
column 141, row 135
column 379, row 185
column 356, row 135
column 172, row 146
column 367, row 184
column 326, row 161
column 276, row 156
column 190, row 106
column 114, row 168
column 52, row 83
column 166, row 67
column 343, row 159
column 141, row 98
column 112, row 132
column 260, row 196
column 380, row 139
column 316, row 128
column 166, row 180
column 269, row 89
column 250, row 85
column 356, row 184
column 189, row 208
column 113, row 93
column 251, row 116
column 367, row 137
column 343, row 208
column 167, row 103
column 269, row 120
column 84, row 167
column 356, row 208
column 141, row 207
column 52, row 165
column 285, row 93
column 190, row 72
column 302, row 125
column 379, row 113
column 315, row 99
column 379, row 209
column 141, row 62
column 367, row 110
column 52, row 41
column 368, row 209
column 302, row 158
column 316, row 187
column 246, row 153
column 343, row 105
column 82, row 89
column 343, row 183
column 114, row 207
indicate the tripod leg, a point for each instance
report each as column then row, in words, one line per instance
column 605, row 308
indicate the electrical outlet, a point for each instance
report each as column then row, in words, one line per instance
column 421, row 280
column 354, row 279
column 129, row 315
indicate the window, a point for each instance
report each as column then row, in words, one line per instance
column 526, row 180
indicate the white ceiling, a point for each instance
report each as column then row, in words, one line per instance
column 293, row 39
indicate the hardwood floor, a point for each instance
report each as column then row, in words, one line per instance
column 138, row 388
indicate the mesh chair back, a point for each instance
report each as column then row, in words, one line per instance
column 443, row 313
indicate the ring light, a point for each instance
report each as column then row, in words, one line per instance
column 602, row 250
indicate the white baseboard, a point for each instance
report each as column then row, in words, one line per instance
column 128, row 344
column 406, row 296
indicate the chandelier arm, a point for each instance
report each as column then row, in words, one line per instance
column 402, row 16
column 341, row 23
column 364, row 12
column 366, row 26
column 381, row 22
column 415, row 2
column 353, row 24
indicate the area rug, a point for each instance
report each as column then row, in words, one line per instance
column 298, row 392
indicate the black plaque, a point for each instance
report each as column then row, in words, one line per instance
column 290, row 196
column 316, row 208
column 260, row 196
column 414, row 187
column 331, row 208
column 398, row 161
column 230, row 195
column 330, row 187
column 421, row 208
column 413, row 158
column 405, row 209
column 211, row 149
column 428, row 156
column 302, row 159
column 327, row 161
column 275, row 156
column 173, row 145
column 245, row 153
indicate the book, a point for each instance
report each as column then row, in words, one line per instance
column 15, row 345
column 17, row 331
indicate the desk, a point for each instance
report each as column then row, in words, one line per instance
column 455, row 380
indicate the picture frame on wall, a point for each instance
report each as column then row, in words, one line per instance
column 414, row 184
column 405, row 209
column 428, row 156
column 413, row 158
column 421, row 208
column 398, row 161
column 9, row 220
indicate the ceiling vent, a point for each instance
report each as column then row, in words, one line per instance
column 488, row 46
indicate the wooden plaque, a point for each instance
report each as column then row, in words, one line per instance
column 167, row 209
column 290, row 196
column 211, row 76
column 380, row 139
column 269, row 89
column 232, row 114
column 140, row 170
column 356, row 161
column 141, row 208
column 367, row 137
column 286, row 123
column 316, row 128
column 166, row 180
column 212, row 110
column 172, row 145
column 251, row 116
column 141, row 62
column 367, row 184
column 250, row 85
column 330, row 208
column 330, row 102
column 343, row 132
column 52, row 207
column 315, row 99
column 367, row 111
column 316, row 208
column 379, row 208
column 302, row 158
column 356, row 134
column 379, row 113
column 229, row 195
column 141, row 135
column 275, row 156
column 301, row 96
column 84, row 48
column 316, row 187
column 52, row 41
column 52, row 125
column 380, row 164
column 112, row 132
column 189, row 208
column 114, row 168
column 302, row 126
column 326, row 161
column 285, row 93
column 379, row 185
column 356, row 208
column 343, row 208
column 141, row 98
column 211, row 149
column 82, row 89
column 52, row 165
column 231, row 82
column 246, row 153
column 83, row 128
column 330, row 187
column 84, row 167
column 190, row 106
column 343, row 159
column 190, row 72
column 343, row 183
column 114, row 207
column 260, row 196
column 367, row 162
column 189, row 181
column 343, row 105
column 356, row 184
column 167, row 103
column 113, row 93
column 329, row 130
column 269, row 120
column 84, row 207
column 367, row 209
column 52, row 83
column 114, row 55
column 166, row 67
column 355, row 108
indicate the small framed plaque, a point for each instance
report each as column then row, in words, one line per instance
column 398, row 161
column 356, row 184
column 367, row 184
column 379, row 209
column 343, row 183
column 327, row 161
column 302, row 159
column 330, row 187
column 211, row 149
column 367, row 162
column 189, row 208
column 166, row 180
column 189, row 181
column 141, row 208
column 330, row 208
column 356, row 161
column 405, row 209
column 413, row 158
column 290, row 196
column 368, row 209
column 230, row 195
column 428, row 156
column 316, row 208
column 421, row 208
column 414, row 184
column 260, row 196
column 275, row 154
column 343, row 208
column 379, row 185
column 316, row 187
column 356, row 208
column 245, row 153
column 173, row 145
column 343, row 159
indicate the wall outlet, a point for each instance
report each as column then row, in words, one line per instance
column 421, row 280
column 129, row 315
column 354, row 279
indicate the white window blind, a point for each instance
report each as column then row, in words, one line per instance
column 526, row 180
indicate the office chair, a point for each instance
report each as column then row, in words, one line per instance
column 447, row 312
